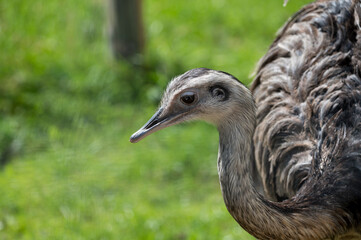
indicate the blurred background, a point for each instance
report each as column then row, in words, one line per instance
column 77, row 78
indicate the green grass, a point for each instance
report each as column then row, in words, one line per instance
column 67, row 111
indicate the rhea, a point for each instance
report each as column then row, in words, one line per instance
column 289, row 158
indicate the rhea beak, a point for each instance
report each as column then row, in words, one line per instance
column 154, row 124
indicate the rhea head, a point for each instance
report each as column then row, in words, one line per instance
column 203, row 94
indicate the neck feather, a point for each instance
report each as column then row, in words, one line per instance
column 260, row 217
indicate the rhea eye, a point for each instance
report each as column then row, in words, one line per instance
column 188, row 98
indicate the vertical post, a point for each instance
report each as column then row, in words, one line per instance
column 126, row 28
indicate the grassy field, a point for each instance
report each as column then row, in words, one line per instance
column 67, row 110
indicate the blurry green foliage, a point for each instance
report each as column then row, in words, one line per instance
column 67, row 109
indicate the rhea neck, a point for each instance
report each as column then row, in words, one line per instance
column 235, row 156
column 260, row 217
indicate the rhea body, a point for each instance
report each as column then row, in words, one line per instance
column 289, row 158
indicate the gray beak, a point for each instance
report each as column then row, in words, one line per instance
column 154, row 124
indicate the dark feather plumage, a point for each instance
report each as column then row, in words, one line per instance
column 308, row 93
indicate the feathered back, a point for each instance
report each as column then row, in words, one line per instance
column 308, row 93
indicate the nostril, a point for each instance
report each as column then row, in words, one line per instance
column 153, row 123
column 154, row 120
